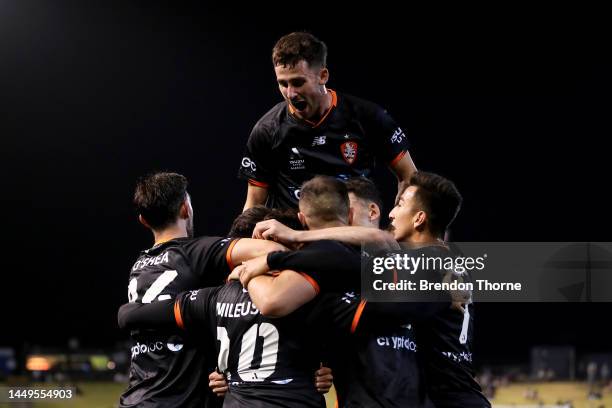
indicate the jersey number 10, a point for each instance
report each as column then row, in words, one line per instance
column 247, row 360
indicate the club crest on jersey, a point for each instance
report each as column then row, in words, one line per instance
column 349, row 151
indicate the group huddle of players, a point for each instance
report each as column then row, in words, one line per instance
column 267, row 311
column 268, row 333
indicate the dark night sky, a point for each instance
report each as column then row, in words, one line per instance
column 91, row 97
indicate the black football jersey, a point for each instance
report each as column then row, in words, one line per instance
column 376, row 365
column 169, row 368
column 446, row 340
column 447, row 343
column 375, row 368
column 283, row 151
column 268, row 362
column 379, row 369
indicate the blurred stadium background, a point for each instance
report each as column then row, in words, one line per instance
column 551, row 376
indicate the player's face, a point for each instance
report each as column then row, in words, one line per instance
column 403, row 215
column 361, row 213
column 302, row 87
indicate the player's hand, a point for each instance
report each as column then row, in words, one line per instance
column 458, row 306
column 252, row 268
column 323, row 379
column 235, row 275
column 275, row 231
column 217, row 383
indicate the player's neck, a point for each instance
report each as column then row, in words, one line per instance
column 333, row 224
column 324, row 106
column 326, row 103
column 424, row 239
column 169, row 233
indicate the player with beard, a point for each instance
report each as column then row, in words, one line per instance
column 316, row 130
column 168, row 368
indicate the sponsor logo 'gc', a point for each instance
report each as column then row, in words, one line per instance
column 248, row 163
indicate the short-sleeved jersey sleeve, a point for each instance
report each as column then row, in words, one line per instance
column 194, row 310
column 388, row 137
column 257, row 163
column 340, row 312
column 210, row 259
column 330, row 265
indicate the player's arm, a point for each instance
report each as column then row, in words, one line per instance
column 351, row 313
column 257, row 165
column 247, row 248
column 403, row 169
column 323, row 259
column 256, row 195
column 154, row 315
column 280, row 295
column 354, row 235
column 392, row 144
column 188, row 310
column 384, row 315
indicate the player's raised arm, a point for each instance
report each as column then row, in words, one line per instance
column 403, row 169
column 352, row 235
column 256, row 195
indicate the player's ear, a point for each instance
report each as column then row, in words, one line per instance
column 302, row 219
column 374, row 212
column 323, row 76
column 419, row 219
column 184, row 210
column 143, row 221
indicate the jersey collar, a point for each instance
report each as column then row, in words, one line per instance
column 334, row 103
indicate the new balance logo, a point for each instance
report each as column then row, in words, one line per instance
column 318, row 141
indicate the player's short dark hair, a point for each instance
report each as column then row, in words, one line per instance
column 297, row 46
column 158, row 198
column 364, row 189
column 325, row 199
column 243, row 224
column 438, row 197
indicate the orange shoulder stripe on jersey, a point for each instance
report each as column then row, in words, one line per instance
column 258, row 183
column 336, row 405
column 310, row 280
column 228, row 254
column 177, row 314
column 357, row 316
column 397, row 158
